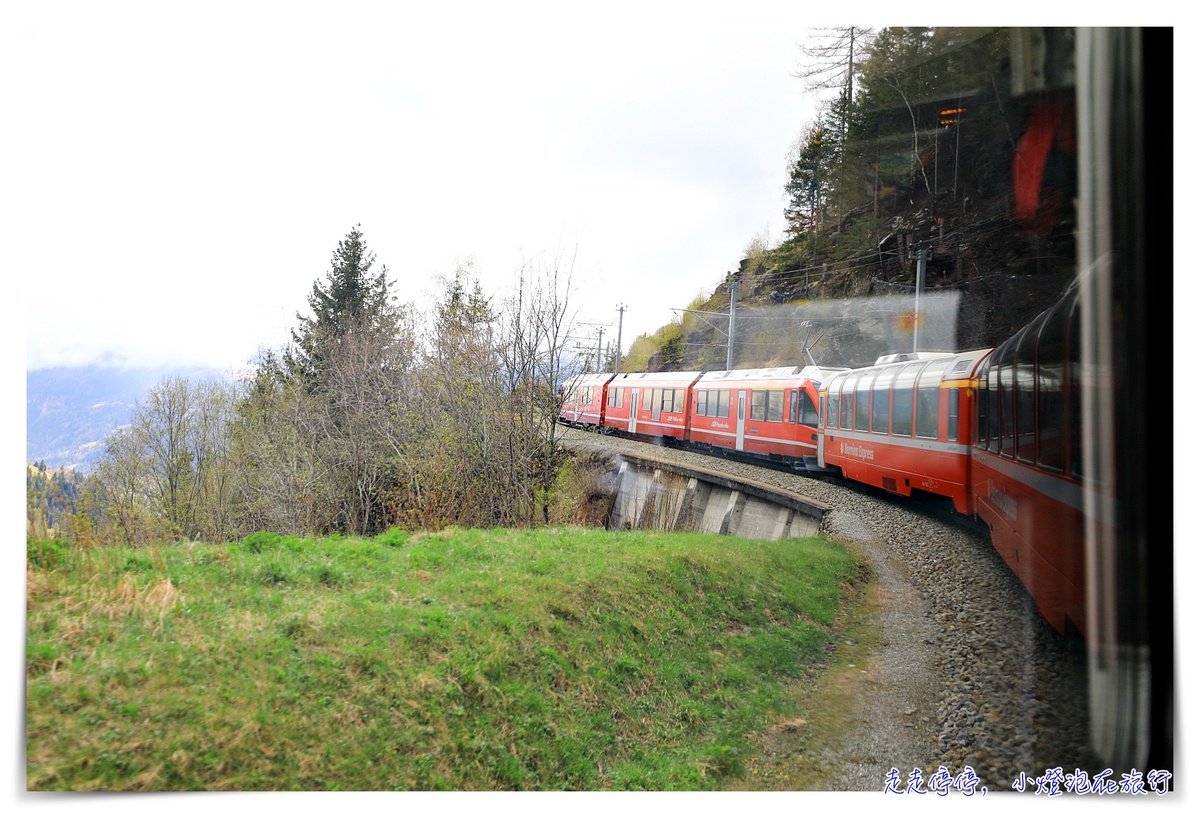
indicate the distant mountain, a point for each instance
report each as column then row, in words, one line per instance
column 70, row 410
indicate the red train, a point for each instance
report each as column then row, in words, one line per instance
column 769, row 413
column 995, row 432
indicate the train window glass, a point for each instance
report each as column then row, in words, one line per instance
column 775, row 406
column 702, row 402
column 1007, row 425
column 981, row 394
column 862, row 402
column 1025, row 395
column 1051, row 406
column 647, row 399
column 846, row 416
column 880, row 400
column 758, row 405
column 1075, row 395
column 808, row 410
column 929, row 389
column 952, row 415
column 723, row 403
column 993, row 410
column 793, row 405
column 833, row 403
column 821, row 413
column 902, row 400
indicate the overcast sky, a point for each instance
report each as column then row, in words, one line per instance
column 186, row 173
column 177, row 177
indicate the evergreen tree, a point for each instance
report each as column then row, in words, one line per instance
column 352, row 298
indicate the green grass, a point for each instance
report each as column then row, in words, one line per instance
column 466, row 660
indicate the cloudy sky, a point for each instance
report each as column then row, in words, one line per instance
column 186, row 172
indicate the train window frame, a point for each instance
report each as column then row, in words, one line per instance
column 833, row 402
column 904, row 395
column 774, row 405
column 929, row 397
column 846, row 418
column 1024, row 393
column 882, row 387
column 809, row 414
column 952, row 414
column 1005, row 401
column 993, row 406
column 1053, row 437
column 1074, row 381
column 862, row 409
column 722, row 403
column 758, row 405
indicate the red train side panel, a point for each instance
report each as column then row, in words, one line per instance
column 903, row 426
column 654, row 404
column 771, row 412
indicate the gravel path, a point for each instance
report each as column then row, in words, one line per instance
column 969, row 674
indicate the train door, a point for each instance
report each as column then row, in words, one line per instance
column 633, row 410
column 741, row 420
column 821, row 409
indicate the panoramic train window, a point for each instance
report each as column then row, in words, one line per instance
column 1075, row 395
column 1026, row 397
column 880, row 395
column 902, row 400
column 1051, row 405
column 833, row 403
column 1004, row 366
column 929, row 388
column 862, row 401
column 847, row 409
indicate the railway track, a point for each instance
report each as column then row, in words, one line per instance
column 970, row 674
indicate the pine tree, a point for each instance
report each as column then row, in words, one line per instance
column 352, row 298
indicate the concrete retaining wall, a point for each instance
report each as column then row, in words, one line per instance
column 652, row 494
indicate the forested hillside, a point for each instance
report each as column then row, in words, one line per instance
column 939, row 147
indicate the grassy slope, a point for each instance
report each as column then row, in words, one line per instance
column 554, row 659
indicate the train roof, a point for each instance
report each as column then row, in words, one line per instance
column 664, row 377
column 959, row 364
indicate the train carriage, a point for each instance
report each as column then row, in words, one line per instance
column 654, row 404
column 903, row 426
column 770, row 412
column 584, row 399
column 1027, row 462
